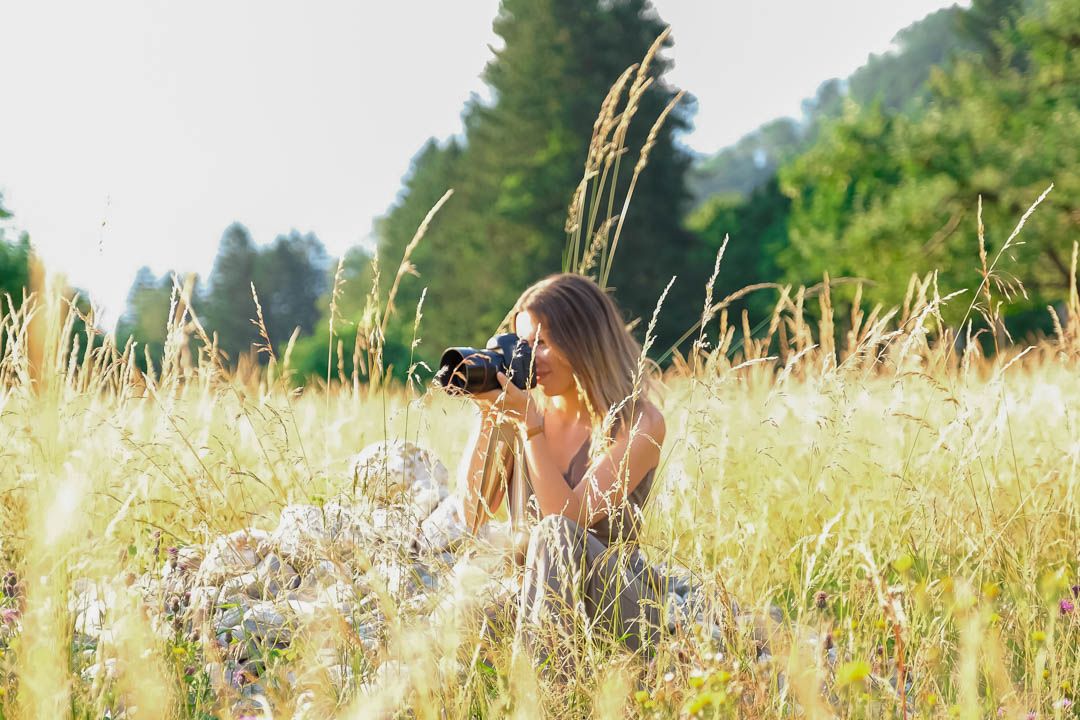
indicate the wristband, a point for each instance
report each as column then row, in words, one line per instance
column 534, row 431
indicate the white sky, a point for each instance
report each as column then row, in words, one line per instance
column 133, row 132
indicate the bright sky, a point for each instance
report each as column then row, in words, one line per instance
column 135, row 131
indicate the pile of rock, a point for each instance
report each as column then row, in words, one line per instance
column 249, row 592
column 254, row 589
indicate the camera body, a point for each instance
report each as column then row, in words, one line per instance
column 469, row 370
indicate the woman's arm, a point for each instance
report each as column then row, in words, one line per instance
column 635, row 451
column 618, row 471
column 471, row 471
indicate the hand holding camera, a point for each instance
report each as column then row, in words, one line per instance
column 499, row 375
column 469, row 371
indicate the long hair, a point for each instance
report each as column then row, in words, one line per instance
column 583, row 323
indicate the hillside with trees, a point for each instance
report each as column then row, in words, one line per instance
column 884, row 176
column 289, row 277
column 880, row 178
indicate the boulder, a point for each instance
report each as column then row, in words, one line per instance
column 230, row 617
column 232, row 555
column 301, row 533
column 322, row 574
column 265, row 624
column 445, row 527
column 395, row 526
column 106, row 671
column 387, row 470
column 270, row 578
column 88, row 605
column 424, row 501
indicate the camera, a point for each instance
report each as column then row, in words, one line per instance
column 469, row 371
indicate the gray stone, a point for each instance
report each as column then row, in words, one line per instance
column 190, row 558
column 229, row 618
column 445, row 527
column 369, row 634
column 389, row 471
column 223, row 676
column 101, row 671
column 394, row 526
column 254, row 690
column 90, row 617
column 301, row 532
column 341, row 677
column 232, row 555
column 272, row 577
column 204, row 596
column 321, row 574
column 424, row 500
column 340, row 596
column 264, row 622
column 234, row 586
column 250, row 585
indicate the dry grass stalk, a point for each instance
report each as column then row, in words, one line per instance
column 707, row 312
column 335, row 293
column 606, row 147
column 599, row 241
column 260, row 323
column 828, row 343
column 643, row 159
column 405, row 266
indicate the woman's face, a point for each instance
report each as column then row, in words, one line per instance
column 554, row 376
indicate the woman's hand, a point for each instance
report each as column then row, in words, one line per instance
column 512, row 402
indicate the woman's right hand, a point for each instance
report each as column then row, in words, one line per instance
column 485, row 403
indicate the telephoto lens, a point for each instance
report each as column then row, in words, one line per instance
column 469, row 370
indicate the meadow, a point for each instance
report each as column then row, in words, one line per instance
column 872, row 513
column 895, row 509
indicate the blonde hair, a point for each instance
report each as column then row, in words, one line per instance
column 582, row 322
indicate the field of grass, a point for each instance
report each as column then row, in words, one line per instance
column 895, row 516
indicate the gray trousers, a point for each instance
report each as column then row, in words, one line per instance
column 571, row 576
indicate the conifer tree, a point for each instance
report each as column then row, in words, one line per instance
column 515, row 172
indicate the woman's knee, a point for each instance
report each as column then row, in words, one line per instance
column 553, row 535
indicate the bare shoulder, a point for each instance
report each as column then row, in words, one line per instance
column 651, row 423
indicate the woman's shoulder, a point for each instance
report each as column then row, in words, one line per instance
column 650, row 421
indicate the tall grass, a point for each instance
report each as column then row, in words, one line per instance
column 894, row 512
column 928, row 491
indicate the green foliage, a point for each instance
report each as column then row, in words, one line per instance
column 229, row 305
column 748, row 164
column 289, row 277
column 756, row 228
column 146, row 319
column 897, row 79
column 885, row 191
column 738, row 189
column 14, row 263
column 515, row 170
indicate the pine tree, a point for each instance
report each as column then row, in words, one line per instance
column 228, row 307
column 290, row 277
column 515, row 172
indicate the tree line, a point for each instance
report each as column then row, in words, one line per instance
column 882, row 177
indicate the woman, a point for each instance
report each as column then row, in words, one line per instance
column 591, row 443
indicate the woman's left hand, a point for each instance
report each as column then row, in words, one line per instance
column 517, row 404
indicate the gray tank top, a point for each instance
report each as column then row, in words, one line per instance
column 622, row 524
